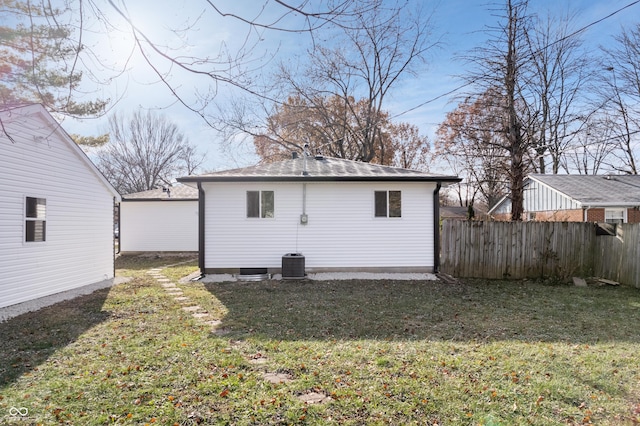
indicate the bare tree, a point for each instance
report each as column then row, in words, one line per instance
column 622, row 98
column 231, row 67
column 500, row 67
column 346, row 77
column 592, row 151
column 554, row 80
column 145, row 151
column 48, row 47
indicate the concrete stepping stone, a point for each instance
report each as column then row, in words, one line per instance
column 200, row 315
column 259, row 361
column 168, row 285
column 175, row 293
column 181, row 299
column 314, row 398
column 191, row 308
column 213, row 323
column 164, row 280
column 277, row 377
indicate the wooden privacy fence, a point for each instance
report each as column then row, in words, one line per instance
column 516, row 250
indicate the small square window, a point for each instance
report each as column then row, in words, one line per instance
column 388, row 204
column 260, row 204
column 35, row 219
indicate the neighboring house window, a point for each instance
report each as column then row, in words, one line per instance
column 388, row 204
column 260, row 204
column 35, row 219
column 614, row 215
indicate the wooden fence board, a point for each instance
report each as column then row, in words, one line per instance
column 519, row 250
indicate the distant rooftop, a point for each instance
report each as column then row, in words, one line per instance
column 595, row 189
column 175, row 192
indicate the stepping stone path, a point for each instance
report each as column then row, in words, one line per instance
column 197, row 312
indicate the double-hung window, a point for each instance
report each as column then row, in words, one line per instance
column 260, row 204
column 35, row 219
column 388, row 204
column 614, row 216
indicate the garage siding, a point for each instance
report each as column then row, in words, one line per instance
column 342, row 232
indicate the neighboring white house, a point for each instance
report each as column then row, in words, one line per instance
column 56, row 210
column 340, row 215
column 164, row 219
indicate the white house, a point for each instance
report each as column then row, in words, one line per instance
column 340, row 215
column 56, row 211
column 164, row 220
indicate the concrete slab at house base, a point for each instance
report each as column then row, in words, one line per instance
column 42, row 302
column 326, row 276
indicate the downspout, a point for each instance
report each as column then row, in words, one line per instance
column 113, row 237
column 436, row 228
column 119, row 233
column 201, row 229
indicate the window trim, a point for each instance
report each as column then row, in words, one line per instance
column 388, row 205
column 261, row 214
column 27, row 219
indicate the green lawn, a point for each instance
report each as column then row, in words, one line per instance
column 380, row 352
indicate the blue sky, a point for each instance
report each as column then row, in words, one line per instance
column 458, row 23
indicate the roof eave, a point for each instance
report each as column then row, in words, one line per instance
column 159, row 199
column 587, row 205
column 193, row 179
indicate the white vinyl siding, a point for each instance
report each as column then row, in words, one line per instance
column 158, row 226
column 342, row 231
column 540, row 198
column 79, row 212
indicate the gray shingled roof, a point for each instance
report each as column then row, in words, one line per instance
column 320, row 169
column 178, row 192
column 618, row 190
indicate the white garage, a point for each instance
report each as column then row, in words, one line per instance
column 159, row 220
